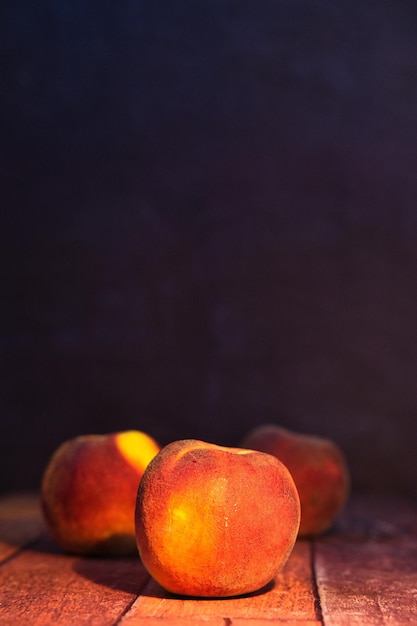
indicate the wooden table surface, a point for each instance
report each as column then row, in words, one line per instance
column 363, row 572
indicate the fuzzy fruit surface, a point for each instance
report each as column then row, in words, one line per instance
column 89, row 488
column 318, row 467
column 213, row 521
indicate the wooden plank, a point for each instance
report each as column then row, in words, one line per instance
column 367, row 569
column 20, row 523
column 221, row 621
column 42, row 586
column 289, row 599
column 366, row 573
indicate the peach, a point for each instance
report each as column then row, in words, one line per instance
column 89, row 488
column 213, row 521
column 318, row 468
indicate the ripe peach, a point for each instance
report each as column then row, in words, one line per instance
column 214, row 521
column 318, row 468
column 89, row 488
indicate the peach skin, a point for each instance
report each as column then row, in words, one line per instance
column 318, row 468
column 89, row 488
column 213, row 521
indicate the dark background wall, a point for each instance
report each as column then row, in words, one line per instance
column 209, row 221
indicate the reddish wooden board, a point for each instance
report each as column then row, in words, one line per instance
column 42, row 586
column 364, row 573
column 367, row 571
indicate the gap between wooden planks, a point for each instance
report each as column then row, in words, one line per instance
column 364, row 572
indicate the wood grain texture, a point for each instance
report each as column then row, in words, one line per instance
column 43, row 587
column 367, row 570
column 222, row 621
column 363, row 573
column 289, row 597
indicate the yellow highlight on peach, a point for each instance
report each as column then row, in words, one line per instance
column 137, row 448
column 184, row 535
